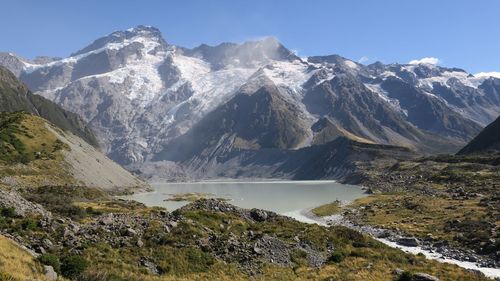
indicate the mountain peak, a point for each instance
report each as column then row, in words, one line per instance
column 268, row 47
column 267, row 40
column 249, row 54
column 142, row 31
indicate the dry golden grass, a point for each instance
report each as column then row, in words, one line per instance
column 189, row 196
column 327, row 209
column 41, row 139
column 427, row 215
column 17, row 264
column 48, row 167
column 359, row 268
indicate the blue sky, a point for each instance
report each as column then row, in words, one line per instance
column 459, row 33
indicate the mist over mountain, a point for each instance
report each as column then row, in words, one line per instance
column 150, row 101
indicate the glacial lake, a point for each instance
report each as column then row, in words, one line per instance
column 283, row 197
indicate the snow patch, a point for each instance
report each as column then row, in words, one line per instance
column 394, row 103
column 289, row 74
column 463, row 77
column 210, row 88
column 387, row 74
column 351, row 64
column 493, row 74
column 426, row 60
column 141, row 73
column 328, row 77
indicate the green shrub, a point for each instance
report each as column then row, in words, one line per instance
column 52, row 260
column 337, row 256
column 9, row 212
column 72, row 266
column 299, row 257
column 360, row 244
column 405, row 276
column 199, row 260
column 29, row 224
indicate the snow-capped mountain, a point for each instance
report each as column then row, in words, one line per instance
column 147, row 99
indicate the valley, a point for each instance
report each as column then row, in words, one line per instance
column 134, row 158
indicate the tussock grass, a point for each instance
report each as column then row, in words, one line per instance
column 30, row 155
column 419, row 215
column 17, row 264
column 327, row 209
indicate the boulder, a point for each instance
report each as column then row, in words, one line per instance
column 258, row 215
column 130, row 232
column 398, row 271
column 139, row 243
column 50, row 273
column 149, row 265
column 419, row 276
column 408, row 241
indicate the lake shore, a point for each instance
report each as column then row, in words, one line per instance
column 446, row 254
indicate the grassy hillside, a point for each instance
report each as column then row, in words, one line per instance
column 34, row 153
column 454, row 199
column 24, row 138
column 18, row 265
column 30, row 155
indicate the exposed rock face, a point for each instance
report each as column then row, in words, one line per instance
column 255, row 120
column 21, row 206
column 488, row 141
column 12, row 62
column 338, row 159
column 144, row 98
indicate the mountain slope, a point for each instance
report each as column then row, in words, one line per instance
column 250, row 120
column 339, row 159
column 488, row 141
column 14, row 96
column 141, row 95
column 36, row 153
column 358, row 110
column 326, row 130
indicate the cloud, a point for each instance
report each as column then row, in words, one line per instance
column 488, row 74
column 427, row 60
column 363, row 59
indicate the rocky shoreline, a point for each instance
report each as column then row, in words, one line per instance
column 438, row 250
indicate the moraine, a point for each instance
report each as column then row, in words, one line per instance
column 290, row 198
